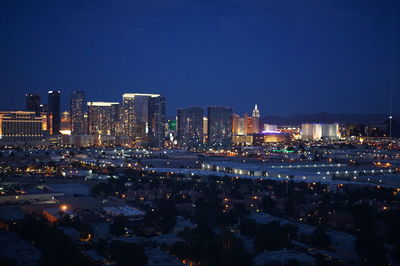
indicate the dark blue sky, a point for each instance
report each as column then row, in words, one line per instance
column 288, row 56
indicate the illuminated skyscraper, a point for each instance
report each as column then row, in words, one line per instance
column 77, row 105
column 219, row 127
column 156, row 121
column 20, row 126
column 103, row 118
column 143, row 117
column 238, row 125
column 33, row 102
column 256, row 119
column 205, row 129
column 248, row 124
column 320, row 131
column 54, row 113
column 65, row 126
column 190, row 127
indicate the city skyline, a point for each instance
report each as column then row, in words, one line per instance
column 198, row 132
column 287, row 57
column 171, row 113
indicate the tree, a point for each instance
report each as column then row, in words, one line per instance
column 129, row 254
column 203, row 247
column 102, row 189
column 56, row 247
column 239, row 210
column 248, row 227
column 268, row 204
column 235, row 258
column 4, row 261
column 370, row 249
column 271, row 236
column 365, row 218
column 396, row 254
column 163, row 217
column 320, row 239
column 117, row 228
column 292, row 262
column 323, row 261
column 289, row 207
column 208, row 210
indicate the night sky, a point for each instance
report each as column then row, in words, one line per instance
column 287, row 56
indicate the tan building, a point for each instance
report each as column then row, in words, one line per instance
column 20, row 126
column 143, row 117
column 103, row 118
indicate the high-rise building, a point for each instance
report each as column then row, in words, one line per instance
column 240, row 129
column 20, row 126
column 320, row 131
column 256, row 119
column 219, row 127
column 143, row 117
column 54, row 113
column 33, row 102
column 156, row 121
column 65, row 126
column 77, row 105
column 238, row 125
column 330, row 131
column 205, row 129
column 190, row 127
column 44, row 113
column 103, row 118
column 248, row 124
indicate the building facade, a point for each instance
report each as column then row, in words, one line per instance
column 103, row 118
column 33, row 103
column 65, row 126
column 219, row 127
column 256, row 119
column 156, row 121
column 143, row 117
column 77, row 110
column 54, row 113
column 238, row 125
column 269, row 127
column 20, row 126
column 319, row 131
column 190, row 127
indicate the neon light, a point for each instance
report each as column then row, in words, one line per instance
column 271, row 131
column 285, row 151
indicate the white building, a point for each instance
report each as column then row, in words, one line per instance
column 319, row 131
column 268, row 127
column 330, row 131
column 256, row 119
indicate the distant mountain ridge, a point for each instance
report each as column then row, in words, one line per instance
column 298, row 119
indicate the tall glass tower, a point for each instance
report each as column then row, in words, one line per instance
column 54, row 113
column 77, row 108
column 256, row 119
column 143, row 117
column 33, row 102
column 219, row 127
column 190, row 127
